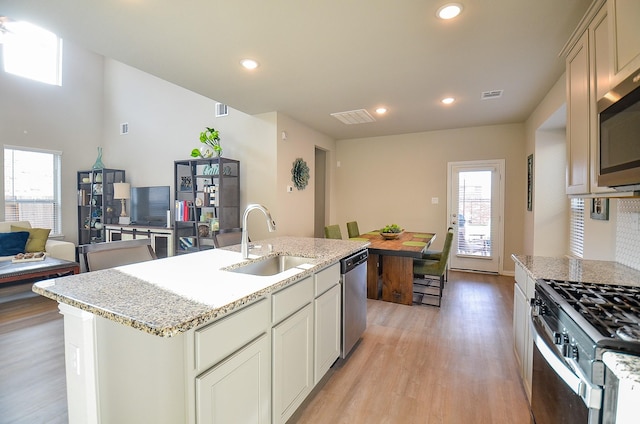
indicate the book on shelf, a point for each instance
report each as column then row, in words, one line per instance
column 183, row 210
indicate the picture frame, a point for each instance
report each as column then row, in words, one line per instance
column 530, row 182
column 185, row 183
column 600, row 208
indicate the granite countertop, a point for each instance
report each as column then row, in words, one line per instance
column 625, row 367
column 169, row 296
column 571, row 269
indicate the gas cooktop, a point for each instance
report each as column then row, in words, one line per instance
column 612, row 310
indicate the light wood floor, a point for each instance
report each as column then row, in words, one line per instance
column 417, row 364
column 423, row 364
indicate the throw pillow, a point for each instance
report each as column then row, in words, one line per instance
column 37, row 238
column 13, row 243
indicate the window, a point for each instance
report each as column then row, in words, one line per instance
column 32, row 187
column 576, row 227
column 31, row 52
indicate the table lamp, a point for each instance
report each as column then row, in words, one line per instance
column 122, row 191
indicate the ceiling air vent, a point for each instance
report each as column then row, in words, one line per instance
column 350, row 117
column 493, row 94
column 221, row 110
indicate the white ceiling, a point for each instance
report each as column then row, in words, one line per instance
column 323, row 56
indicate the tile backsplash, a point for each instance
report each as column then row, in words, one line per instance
column 628, row 233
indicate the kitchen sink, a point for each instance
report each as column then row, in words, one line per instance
column 272, row 265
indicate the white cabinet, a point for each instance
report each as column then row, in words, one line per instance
column 328, row 320
column 587, row 73
column 292, row 363
column 292, row 348
column 578, row 117
column 625, row 15
column 232, row 361
column 522, row 338
column 236, row 390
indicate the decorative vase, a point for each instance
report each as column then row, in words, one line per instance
column 99, row 164
column 206, row 152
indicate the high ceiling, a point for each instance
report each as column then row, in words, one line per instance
column 325, row 56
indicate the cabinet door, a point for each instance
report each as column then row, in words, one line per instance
column 238, row 389
column 578, row 118
column 521, row 337
column 600, row 80
column 625, row 15
column 327, row 331
column 292, row 363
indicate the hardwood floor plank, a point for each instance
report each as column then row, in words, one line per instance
column 32, row 377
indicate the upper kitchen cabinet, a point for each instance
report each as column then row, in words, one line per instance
column 588, row 79
column 624, row 18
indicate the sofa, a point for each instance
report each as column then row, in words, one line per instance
column 55, row 248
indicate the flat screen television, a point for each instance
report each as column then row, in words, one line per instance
column 149, row 205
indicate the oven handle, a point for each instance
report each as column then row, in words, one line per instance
column 590, row 394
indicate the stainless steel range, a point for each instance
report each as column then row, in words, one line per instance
column 573, row 324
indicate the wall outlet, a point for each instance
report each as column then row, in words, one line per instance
column 435, row 200
column 289, row 189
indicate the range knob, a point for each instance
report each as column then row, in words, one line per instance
column 557, row 338
column 573, row 351
column 538, row 306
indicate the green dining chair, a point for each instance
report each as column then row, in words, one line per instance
column 435, row 255
column 352, row 229
column 424, row 268
column 332, row 232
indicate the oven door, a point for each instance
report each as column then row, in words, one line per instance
column 561, row 394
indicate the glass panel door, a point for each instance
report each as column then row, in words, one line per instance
column 475, row 212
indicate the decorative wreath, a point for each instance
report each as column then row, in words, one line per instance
column 300, row 174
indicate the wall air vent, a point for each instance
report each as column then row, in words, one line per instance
column 221, row 110
column 493, row 94
column 350, row 117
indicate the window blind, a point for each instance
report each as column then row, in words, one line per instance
column 576, row 227
column 32, row 187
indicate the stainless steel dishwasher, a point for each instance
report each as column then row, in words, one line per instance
column 353, row 270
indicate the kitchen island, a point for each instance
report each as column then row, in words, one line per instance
column 185, row 339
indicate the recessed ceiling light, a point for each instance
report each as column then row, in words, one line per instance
column 249, row 63
column 449, row 11
column 448, row 100
column 381, row 110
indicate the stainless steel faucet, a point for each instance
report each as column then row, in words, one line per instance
column 271, row 224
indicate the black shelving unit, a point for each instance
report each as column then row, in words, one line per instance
column 96, row 205
column 205, row 190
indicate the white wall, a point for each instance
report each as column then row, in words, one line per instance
column 550, row 203
column 165, row 121
column 384, row 180
column 66, row 118
column 295, row 210
column 553, row 101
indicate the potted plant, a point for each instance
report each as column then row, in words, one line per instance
column 211, row 138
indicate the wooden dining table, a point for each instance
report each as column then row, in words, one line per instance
column 395, row 258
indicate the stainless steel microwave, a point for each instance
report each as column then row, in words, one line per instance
column 619, row 145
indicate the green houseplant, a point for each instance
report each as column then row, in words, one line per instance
column 211, row 139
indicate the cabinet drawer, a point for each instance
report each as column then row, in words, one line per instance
column 521, row 278
column 326, row 279
column 221, row 338
column 291, row 299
